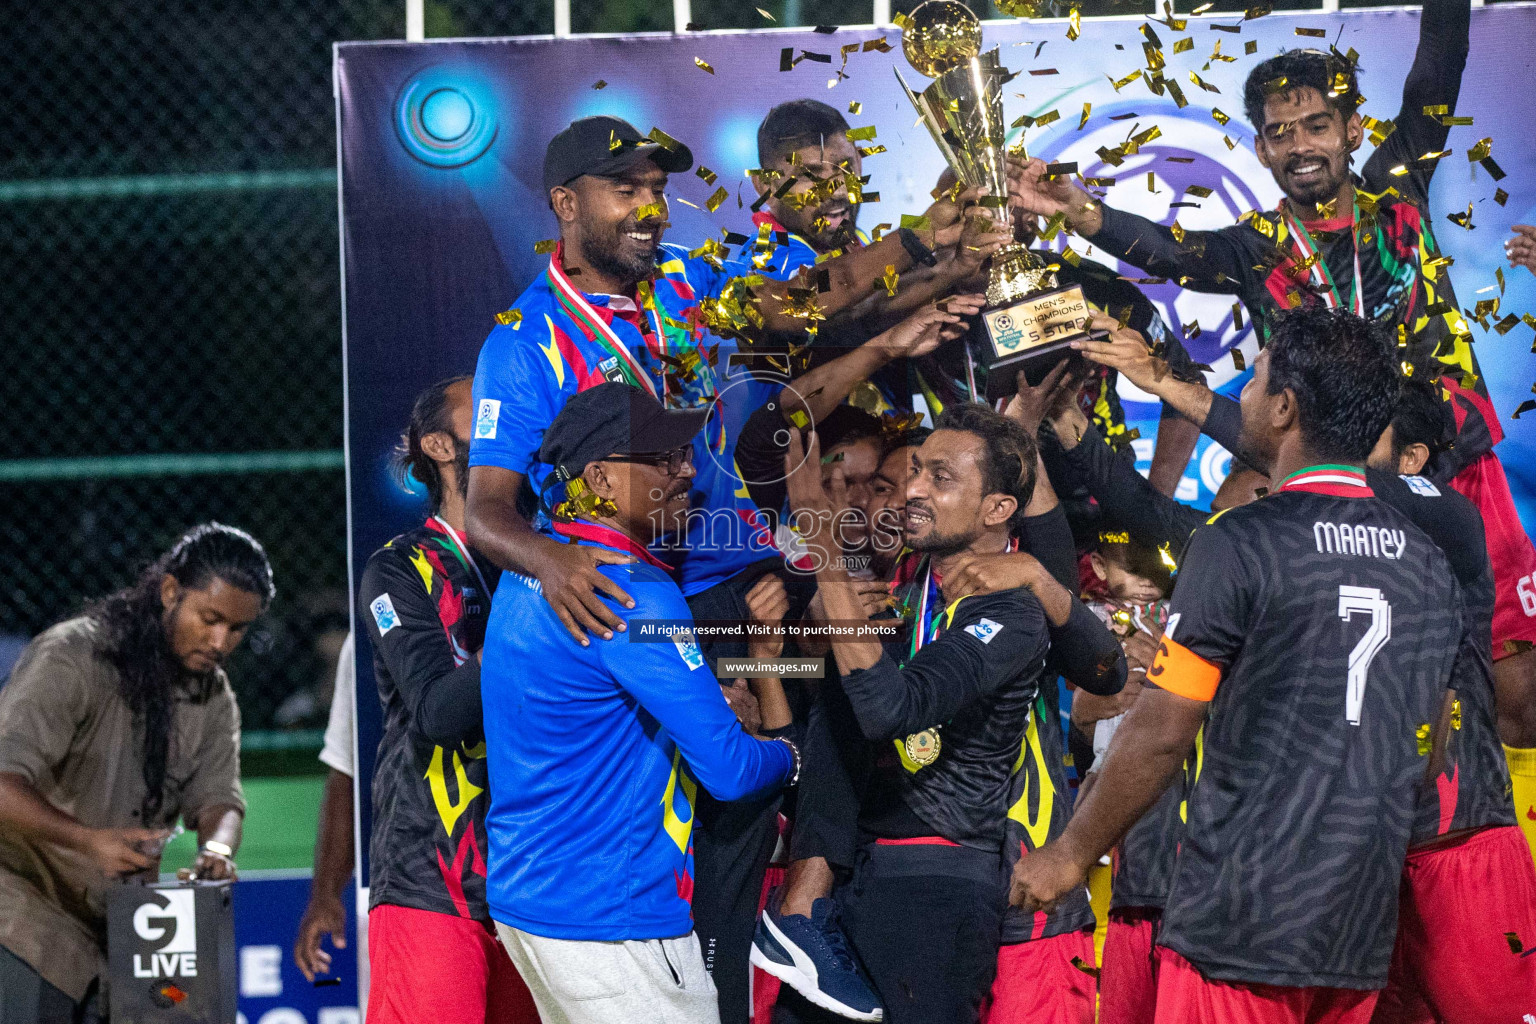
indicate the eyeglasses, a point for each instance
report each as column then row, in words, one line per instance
column 673, row 461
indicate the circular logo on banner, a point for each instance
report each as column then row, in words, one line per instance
column 443, row 118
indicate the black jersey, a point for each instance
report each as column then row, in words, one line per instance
column 1473, row 791
column 425, row 602
column 1404, row 280
column 1143, row 860
column 1039, row 807
column 1323, row 628
column 949, row 714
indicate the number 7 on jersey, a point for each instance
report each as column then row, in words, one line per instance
column 1363, row 599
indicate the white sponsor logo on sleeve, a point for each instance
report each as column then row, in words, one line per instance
column 984, row 630
column 485, row 419
column 384, row 613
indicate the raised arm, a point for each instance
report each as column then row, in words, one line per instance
column 1207, row 261
column 1433, row 80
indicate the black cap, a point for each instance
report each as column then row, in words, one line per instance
column 586, row 147
column 615, row 419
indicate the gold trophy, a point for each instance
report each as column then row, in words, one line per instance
column 1030, row 322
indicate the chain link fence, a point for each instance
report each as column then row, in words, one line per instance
column 169, row 305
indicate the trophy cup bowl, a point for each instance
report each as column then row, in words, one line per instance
column 1030, row 322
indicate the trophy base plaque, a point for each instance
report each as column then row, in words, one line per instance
column 1033, row 334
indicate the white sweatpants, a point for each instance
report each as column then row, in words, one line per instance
column 658, row 981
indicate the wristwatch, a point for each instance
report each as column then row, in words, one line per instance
column 795, row 751
column 919, row 252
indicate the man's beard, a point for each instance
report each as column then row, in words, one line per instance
column 1318, row 191
column 461, row 467
column 604, row 255
column 940, row 545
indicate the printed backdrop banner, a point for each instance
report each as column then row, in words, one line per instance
column 442, row 147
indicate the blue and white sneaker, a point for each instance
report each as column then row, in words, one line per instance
column 811, row 956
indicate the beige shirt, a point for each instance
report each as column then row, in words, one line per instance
column 65, row 728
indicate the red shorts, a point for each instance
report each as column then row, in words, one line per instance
column 1128, row 977
column 1037, row 982
column 1452, row 962
column 1514, row 559
column 1184, row 996
column 431, row 968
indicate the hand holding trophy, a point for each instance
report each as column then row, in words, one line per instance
column 1030, row 322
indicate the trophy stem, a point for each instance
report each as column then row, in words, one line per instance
column 1015, row 272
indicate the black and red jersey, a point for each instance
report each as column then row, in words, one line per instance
column 1323, row 628
column 1404, row 281
column 424, row 602
column 1039, row 806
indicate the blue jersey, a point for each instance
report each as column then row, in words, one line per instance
column 593, row 752
column 567, row 341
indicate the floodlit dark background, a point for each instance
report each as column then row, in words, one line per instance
column 170, row 332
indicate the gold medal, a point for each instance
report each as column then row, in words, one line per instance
column 923, row 747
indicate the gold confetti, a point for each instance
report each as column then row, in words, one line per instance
column 1176, row 230
column 510, row 318
column 1445, row 152
column 663, row 140
column 1398, row 171
column 599, row 84
column 855, row 107
column 1127, row 80
column 766, row 14
column 1500, row 196
column 545, row 246
column 719, row 196
column 890, row 279
column 1315, row 33
column 1481, row 151
column 1462, row 220
column 1251, row 47
column 1203, row 8
column 1184, row 45
column 1099, row 182
column 703, row 64
column 871, row 151
column 1421, row 734
column 708, row 175
column 648, row 211
column 1327, row 210
column 1237, row 322
column 614, row 142
column 1258, row 11
column 1074, row 24
column 900, row 20
column 1070, row 256
column 1238, row 363
column 1151, row 179
column 1202, row 83
column 860, row 134
column 1084, row 119
column 1275, row 85
column 1219, row 117
column 1047, row 118
column 1229, row 142
column 1379, row 129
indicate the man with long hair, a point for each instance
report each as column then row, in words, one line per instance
column 114, row 724
column 422, row 605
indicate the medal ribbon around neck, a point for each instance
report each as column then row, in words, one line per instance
column 1318, row 273
column 576, row 306
column 462, row 551
column 579, row 309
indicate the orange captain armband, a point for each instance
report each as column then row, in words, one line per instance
column 1180, row 670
